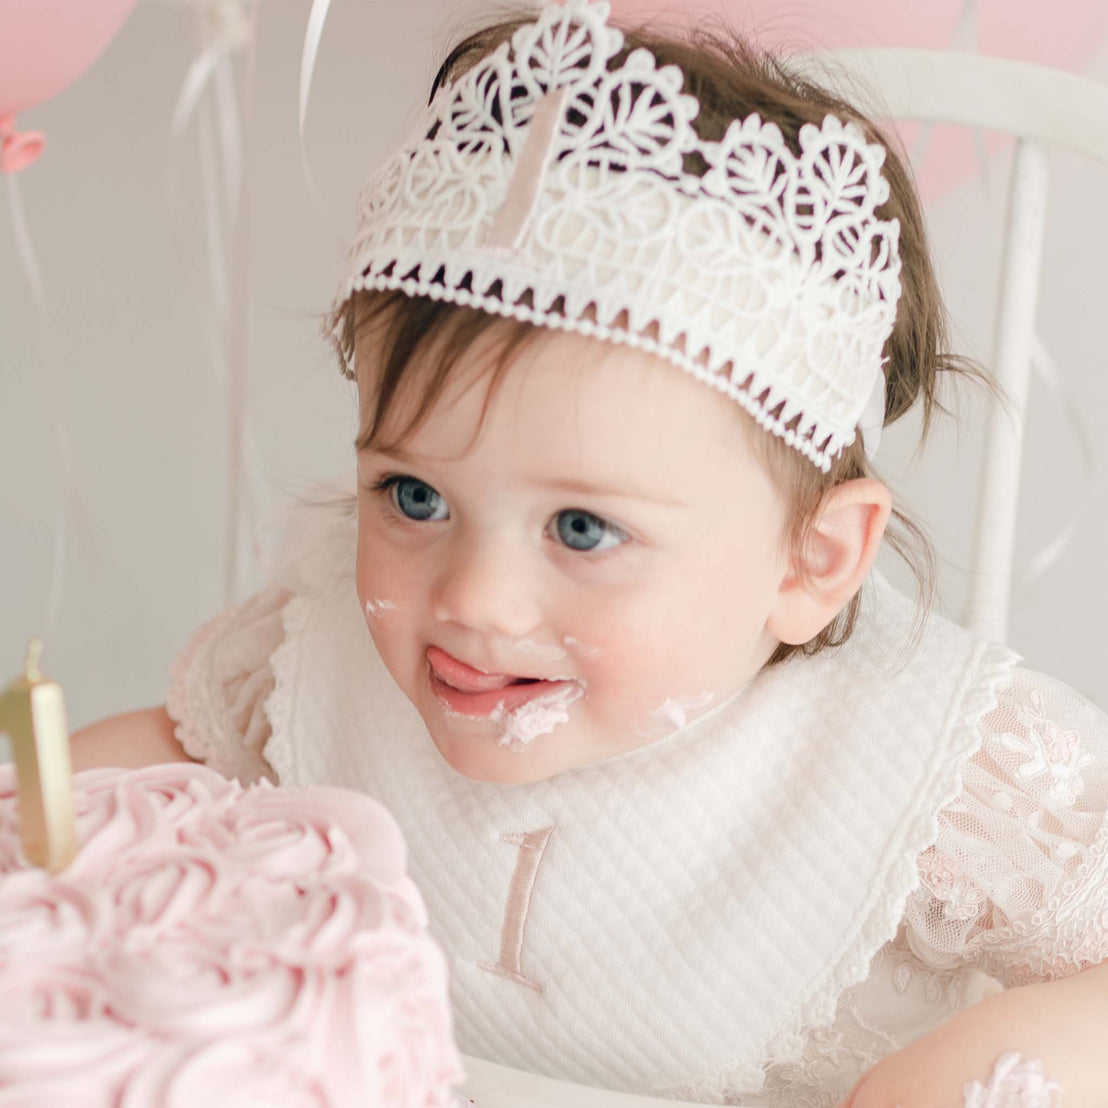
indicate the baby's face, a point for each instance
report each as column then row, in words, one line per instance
column 597, row 568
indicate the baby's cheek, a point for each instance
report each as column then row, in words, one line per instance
column 385, row 581
column 626, row 687
column 650, row 680
column 389, row 611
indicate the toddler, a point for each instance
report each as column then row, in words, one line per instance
column 700, row 805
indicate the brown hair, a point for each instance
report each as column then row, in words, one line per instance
column 731, row 79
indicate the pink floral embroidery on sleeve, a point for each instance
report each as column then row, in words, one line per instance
column 1048, row 748
column 1016, row 881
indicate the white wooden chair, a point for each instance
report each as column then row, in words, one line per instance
column 1041, row 108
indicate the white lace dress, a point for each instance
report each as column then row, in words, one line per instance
column 1013, row 890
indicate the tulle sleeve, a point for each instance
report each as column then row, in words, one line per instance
column 219, row 682
column 1016, row 882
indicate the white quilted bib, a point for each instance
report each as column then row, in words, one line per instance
column 674, row 919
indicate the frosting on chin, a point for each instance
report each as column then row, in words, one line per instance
column 209, row 937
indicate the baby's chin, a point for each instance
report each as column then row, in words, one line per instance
column 477, row 753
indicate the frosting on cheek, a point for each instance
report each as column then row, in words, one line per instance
column 540, row 650
column 376, row 608
column 673, row 713
column 537, row 717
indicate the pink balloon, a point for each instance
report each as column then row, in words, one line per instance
column 45, row 45
column 1064, row 34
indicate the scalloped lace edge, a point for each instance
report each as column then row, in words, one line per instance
column 284, row 661
column 322, row 565
column 206, row 744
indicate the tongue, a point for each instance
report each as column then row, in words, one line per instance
column 462, row 677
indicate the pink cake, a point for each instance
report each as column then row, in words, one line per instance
column 215, row 945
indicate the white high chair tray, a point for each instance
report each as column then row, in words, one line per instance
column 494, row 1086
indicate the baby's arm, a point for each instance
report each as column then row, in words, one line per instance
column 217, row 690
column 1055, row 1026
column 142, row 738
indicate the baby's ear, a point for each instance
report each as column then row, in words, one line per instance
column 839, row 550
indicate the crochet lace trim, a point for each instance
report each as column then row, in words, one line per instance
column 279, row 752
column 191, row 703
column 320, row 569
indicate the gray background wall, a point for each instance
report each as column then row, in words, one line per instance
column 125, row 350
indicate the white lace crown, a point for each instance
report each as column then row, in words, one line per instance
column 545, row 186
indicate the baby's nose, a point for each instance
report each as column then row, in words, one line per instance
column 487, row 584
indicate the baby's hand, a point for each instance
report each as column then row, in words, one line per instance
column 1039, row 1046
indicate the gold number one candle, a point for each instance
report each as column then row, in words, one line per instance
column 32, row 712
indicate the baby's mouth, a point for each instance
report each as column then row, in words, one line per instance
column 465, row 678
column 472, row 692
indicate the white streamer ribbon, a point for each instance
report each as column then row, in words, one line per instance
column 68, row 501
column 228, row 29
column 31, row 270
column 317, row 17
column 23, row 243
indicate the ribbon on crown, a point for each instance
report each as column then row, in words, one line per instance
column 546, row 185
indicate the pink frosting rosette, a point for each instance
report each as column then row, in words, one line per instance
column 179, row 986
column 261, row 1075
column 209, row 937
column 39, row 919
column 59, row 1044
column 411, row 1020
column 156, row 804
column 310, row 835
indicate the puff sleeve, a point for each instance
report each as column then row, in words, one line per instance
column 1016, row 882
column 219, row 683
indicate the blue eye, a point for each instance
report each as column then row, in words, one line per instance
column 414, row 498
column 580, row 530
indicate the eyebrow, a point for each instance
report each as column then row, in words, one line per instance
column 396, row 453
column 585, row 488
column 588, row 488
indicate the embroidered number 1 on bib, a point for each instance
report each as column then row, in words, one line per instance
column 531, row 846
